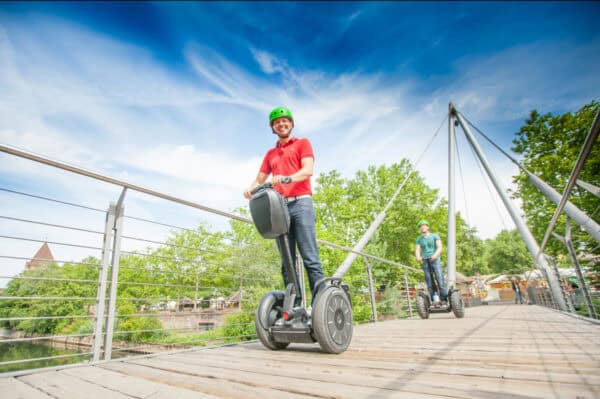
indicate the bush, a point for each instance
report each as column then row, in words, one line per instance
column 240, row 325
column 138, row 326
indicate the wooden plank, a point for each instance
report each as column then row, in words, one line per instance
column 405, row 363
column 212, row 386
column 14, row 389
column 64, row 386
column 455, row 381
column 499, row 358
column 295, row 385
column 133, row 386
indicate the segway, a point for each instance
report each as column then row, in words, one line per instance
column 280, row 319
column 425, row 306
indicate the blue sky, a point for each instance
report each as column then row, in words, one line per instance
column 175, row 95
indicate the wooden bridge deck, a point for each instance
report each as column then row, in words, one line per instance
column 494, row 352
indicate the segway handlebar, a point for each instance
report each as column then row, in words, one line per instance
column 285, row 180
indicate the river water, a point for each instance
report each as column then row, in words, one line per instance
column 27, row 350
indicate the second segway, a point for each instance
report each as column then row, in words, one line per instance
column 426, row 306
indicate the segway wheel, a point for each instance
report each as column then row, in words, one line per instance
column 457, row 304
column 332, row 320
column 268, row 312
column 422, row 306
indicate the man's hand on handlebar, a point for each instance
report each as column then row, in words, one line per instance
column 279, row 179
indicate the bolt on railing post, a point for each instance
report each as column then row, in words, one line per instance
column 102, row 276
column 371, row 289
column 114, row 278
column 410, row 311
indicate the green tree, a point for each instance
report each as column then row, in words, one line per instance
column 507, row 253
column 549, row 145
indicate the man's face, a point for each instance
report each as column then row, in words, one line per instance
column 282, row 127
column 424, row 228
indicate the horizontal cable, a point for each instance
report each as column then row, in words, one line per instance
column 54, row 261
column 160, row 223
column 51, row 225
column 183, row 343
column 45, row 318
column 119, row 282
column 201, row 276
column 181, row 314
column 52, row 200
column 70, row 280
column 49, row 242
column 182, row 260
column 45, row 338
column 84, row 298
column 177, row 314
column 170, row 245
column 173, row 329
column 48, row 298
column 171, row 226
column 39, row 359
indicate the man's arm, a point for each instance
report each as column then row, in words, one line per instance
column 438, row 249
column 418, row 253
column 305, row 172
column 260, row 179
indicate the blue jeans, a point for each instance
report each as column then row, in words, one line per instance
column 437, row 269
column 519, row 297
column 303, row 235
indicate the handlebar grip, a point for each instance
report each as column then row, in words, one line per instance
column 261, row 187
column 285, row 180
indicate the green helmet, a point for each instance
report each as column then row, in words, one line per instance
column 422, row 222
column 280, row 112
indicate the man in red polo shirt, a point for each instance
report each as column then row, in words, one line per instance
column 294, row 158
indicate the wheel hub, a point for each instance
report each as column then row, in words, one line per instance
column 338, row 323
column 339, row 319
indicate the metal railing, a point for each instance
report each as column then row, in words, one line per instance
column 187, row 287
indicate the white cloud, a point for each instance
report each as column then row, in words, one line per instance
column 267, row 62
column 188, row 163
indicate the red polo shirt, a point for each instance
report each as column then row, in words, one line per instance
column 286, row 160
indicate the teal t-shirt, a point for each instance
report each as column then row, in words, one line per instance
column 427, row 244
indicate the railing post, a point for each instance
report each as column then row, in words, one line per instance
column 114, row 277
column 102, row 275
column 565, row 296
column 580, row 279
column 410, row 311
column 371, row 289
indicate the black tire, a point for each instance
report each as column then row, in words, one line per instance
column 269, row 310
column 422, row 304
column 457, row 304
column 332, row 320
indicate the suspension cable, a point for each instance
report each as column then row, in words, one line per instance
column 493, row 198
column 497, row 146
column 462, row 182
